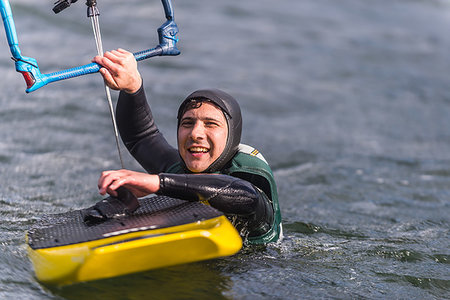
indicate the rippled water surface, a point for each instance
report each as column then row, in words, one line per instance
column 348, row 100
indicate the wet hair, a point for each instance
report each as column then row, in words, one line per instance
column 193, row 104
column 232, row 112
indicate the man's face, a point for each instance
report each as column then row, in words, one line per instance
column 202, row 136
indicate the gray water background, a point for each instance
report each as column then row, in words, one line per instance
column 348, row 100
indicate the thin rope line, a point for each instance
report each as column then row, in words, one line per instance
column 99, row 45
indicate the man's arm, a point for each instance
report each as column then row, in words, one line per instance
column 135, row 121
column 140, row 134
column 230, row 195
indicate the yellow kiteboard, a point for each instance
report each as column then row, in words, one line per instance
column 162, row 232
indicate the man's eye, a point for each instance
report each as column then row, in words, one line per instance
column 187, row 123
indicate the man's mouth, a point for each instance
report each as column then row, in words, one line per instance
column 198, row 150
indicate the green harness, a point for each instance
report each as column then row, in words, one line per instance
column 250, row 165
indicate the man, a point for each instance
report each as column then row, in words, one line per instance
column 210, row 164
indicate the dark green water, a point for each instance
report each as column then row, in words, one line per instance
column 348, row 100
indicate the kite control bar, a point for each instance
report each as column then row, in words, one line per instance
column 28, row 66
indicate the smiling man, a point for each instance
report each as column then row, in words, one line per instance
column 202, row 136
column 210, row 164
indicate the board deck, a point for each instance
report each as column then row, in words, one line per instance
column 163, row 231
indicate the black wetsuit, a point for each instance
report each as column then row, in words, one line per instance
column 243, row 202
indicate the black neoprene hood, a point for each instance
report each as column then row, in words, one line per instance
column 232, row 112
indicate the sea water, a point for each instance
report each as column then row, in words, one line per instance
column 348, row 100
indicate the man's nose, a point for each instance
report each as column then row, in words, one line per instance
column 198, row 131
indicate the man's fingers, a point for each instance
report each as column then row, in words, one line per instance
column 109, row 79
column 121, row 53
column 105, row 180
column 111, row 63
column 109, row 181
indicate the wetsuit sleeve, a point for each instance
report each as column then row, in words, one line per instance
column 140, row 134
column 228, row 194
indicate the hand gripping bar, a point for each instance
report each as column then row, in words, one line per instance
column 29, row 68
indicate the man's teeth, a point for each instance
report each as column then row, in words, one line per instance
column 198, row 150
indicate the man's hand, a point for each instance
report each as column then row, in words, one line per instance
column 119, row 70
column 140, row 184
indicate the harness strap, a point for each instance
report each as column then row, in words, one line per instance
column 112, row 207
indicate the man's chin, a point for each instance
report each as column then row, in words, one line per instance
column 196, row 168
